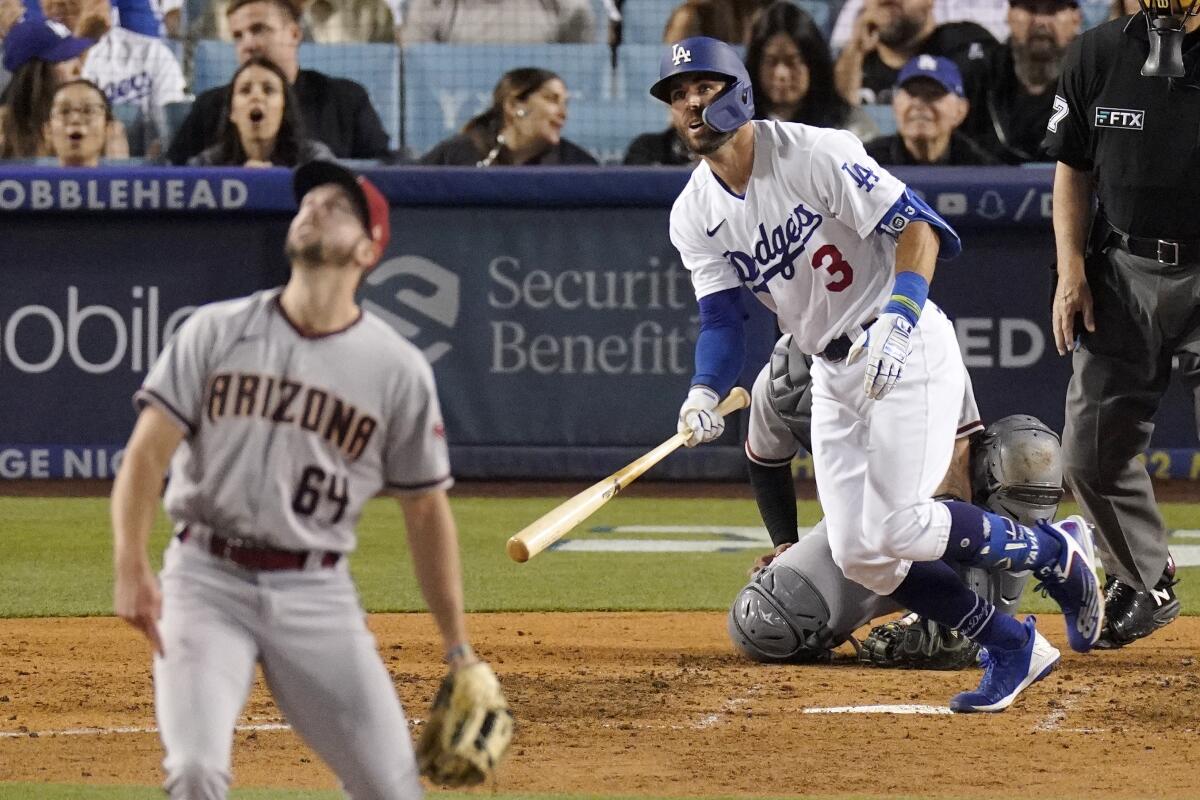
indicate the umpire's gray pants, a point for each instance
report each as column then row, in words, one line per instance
column 1145, row 312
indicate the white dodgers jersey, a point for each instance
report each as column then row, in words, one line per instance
column 803, row 238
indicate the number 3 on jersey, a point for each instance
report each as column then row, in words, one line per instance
column 830, row 259
column 312, row 485
column 864, row 177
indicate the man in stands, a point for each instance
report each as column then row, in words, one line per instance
column 336, row 111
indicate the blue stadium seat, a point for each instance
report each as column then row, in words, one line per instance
column 445, row 85
column 375, row 66
column 644, row 20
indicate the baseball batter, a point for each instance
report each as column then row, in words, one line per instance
column 843, row 253
column 802, row 605
column 281, row 414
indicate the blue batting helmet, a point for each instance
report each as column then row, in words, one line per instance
column 734, row 107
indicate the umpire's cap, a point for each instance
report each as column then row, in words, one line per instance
column 734, row 107
column 370, row 203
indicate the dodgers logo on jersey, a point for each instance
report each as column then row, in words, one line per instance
column 775, row 253
column 678, row 55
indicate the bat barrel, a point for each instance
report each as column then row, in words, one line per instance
column 517, row 550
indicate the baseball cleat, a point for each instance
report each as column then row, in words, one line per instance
column 1131, row 614
column 1006, row 673
column 1073, row 583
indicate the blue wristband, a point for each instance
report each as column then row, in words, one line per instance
column 909, row 294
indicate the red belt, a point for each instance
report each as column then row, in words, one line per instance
column 264, row 559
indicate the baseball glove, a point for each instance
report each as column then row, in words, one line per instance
column 469, row 728
column 913, row 642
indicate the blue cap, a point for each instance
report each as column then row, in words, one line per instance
column 935, row 68
column 47, row 40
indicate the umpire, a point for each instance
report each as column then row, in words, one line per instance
column 1125, row 123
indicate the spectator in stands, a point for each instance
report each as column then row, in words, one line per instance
column 718, row 19
column 1012, row 90
column 929, row 106
column 523, row 126
column 78, row 126
column 335, row 111
column 792, row 72
column 131, row 68
column 262, row 125
column 499, row 21
column 40, row 55
column 1123, row 8
column 890, row 32
column 990, row 14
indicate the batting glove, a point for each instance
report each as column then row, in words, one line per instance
column 887, row 344
column 699, row 419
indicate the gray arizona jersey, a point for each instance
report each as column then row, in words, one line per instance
column 287, row 435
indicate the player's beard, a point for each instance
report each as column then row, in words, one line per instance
column 313, row 254
column 704, row 141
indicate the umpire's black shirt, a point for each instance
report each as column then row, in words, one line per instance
column 1138, row 136
column 336, row 111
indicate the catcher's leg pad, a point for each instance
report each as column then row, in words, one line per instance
column 469, row 728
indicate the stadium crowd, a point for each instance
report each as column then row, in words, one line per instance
column 956, row 82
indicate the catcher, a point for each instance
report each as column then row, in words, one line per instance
column 798, row 605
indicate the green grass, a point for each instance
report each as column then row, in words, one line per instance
column 57, row 558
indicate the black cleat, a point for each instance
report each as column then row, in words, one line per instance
column 1130, row 614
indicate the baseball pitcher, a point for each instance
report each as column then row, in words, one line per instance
column 281, row 414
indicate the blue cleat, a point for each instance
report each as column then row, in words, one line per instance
column 1006, row 673
column 1072, row 582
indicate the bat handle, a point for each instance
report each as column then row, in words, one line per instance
column 736, row 399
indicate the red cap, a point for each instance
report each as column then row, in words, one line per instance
column 373, row 207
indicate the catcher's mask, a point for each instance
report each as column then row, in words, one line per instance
column 1165, row 23
column 779, row 617
column 1016, row 468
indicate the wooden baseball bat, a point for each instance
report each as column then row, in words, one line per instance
column 554, row 524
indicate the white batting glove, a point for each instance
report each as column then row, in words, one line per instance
column 887, row 345
column 698, row 417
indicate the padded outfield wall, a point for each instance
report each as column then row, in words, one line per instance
column 550, row 302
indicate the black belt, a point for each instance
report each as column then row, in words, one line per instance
column 263, row 559
column 1165, row 251
column 839, row 348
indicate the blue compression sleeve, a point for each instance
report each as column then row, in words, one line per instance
column 721, row 345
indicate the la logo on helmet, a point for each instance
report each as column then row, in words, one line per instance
column 678, row 54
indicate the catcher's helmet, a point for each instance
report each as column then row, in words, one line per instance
column 734, row 106
column 781, row 617
column 1017, row 469
column 790, row 388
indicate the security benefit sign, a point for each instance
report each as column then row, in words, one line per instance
column 559, row 328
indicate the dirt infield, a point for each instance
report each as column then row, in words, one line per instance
column 655, row 703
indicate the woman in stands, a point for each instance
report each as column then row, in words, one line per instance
column 791, row 70
column 41, row 55
column 523, row 126
column 261, row 126
column 79, row 117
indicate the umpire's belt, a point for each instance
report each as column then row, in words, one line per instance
column 264, row 559
column 1165, row 251
column 839, row 348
